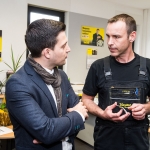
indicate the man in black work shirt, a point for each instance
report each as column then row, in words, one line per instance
column 122, row 81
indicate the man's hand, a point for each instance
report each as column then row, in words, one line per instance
column 35, row 141
column 80, row 108
column 116, row 117
column 138, row 111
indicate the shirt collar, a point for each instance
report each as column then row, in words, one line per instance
column 49, row 71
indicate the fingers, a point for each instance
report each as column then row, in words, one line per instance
column 35, row 141
column 85, row 112
column 121, row 118
column 118, row 114
column 80, row 108
column 85, row 107
column 138, row 111
column 86, row 115
column 116, row 117
column 134, row 105
column 138, row 117
column 81, row 103
column 69, row 109
column 75, row 107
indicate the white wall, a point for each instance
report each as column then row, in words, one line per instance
column 13, row 19
column 13, row 22
column 77, row 66
column 145, row 50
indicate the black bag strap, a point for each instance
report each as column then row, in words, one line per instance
column 107, row 70
column 142, row 69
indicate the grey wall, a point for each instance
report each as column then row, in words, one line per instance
column 76, row 62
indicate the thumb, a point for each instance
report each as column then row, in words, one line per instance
column 132, row 106
column 113, row 105
column 35, row 141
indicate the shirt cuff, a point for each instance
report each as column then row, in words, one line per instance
column 81, row 115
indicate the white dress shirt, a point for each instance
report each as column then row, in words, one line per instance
column 65, row 145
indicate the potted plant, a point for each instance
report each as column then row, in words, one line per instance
column 4, row 116
column 15, row 63
column 13, row 68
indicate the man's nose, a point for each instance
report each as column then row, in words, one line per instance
column 68, row 49
column 110, row 41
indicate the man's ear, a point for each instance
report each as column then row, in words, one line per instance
column 132, row 36
column 47, row 52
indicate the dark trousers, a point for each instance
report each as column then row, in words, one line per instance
column 121, row 138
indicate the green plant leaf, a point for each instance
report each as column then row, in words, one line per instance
column 8, row 65
column 15, row 66
column 15, row 63
column 2, row 106
column 18, row 61
column 12, row 59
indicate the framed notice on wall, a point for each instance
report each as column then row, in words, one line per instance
column 0, row 45
column 91, row 57
column 92, row 36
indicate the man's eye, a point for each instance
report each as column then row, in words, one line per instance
column 63, row 46
column 116, row 37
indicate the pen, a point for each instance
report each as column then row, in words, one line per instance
column 122, row 108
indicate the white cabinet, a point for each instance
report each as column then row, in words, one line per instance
column 86, row 135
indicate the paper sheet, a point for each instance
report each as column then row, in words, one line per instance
column 5, row 130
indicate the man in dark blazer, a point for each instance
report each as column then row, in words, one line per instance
column 44, row 110
column 96, row 37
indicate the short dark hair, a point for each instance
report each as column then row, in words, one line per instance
column 130, row 22
column 42, row 34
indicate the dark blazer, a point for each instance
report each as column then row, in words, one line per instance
column 33, row 111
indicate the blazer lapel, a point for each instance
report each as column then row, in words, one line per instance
column 41, row 84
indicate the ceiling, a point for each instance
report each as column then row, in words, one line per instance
column 142, row 4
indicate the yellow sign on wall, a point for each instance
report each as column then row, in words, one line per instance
column 89, row 51
column 0, row 45
column 92, row 36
